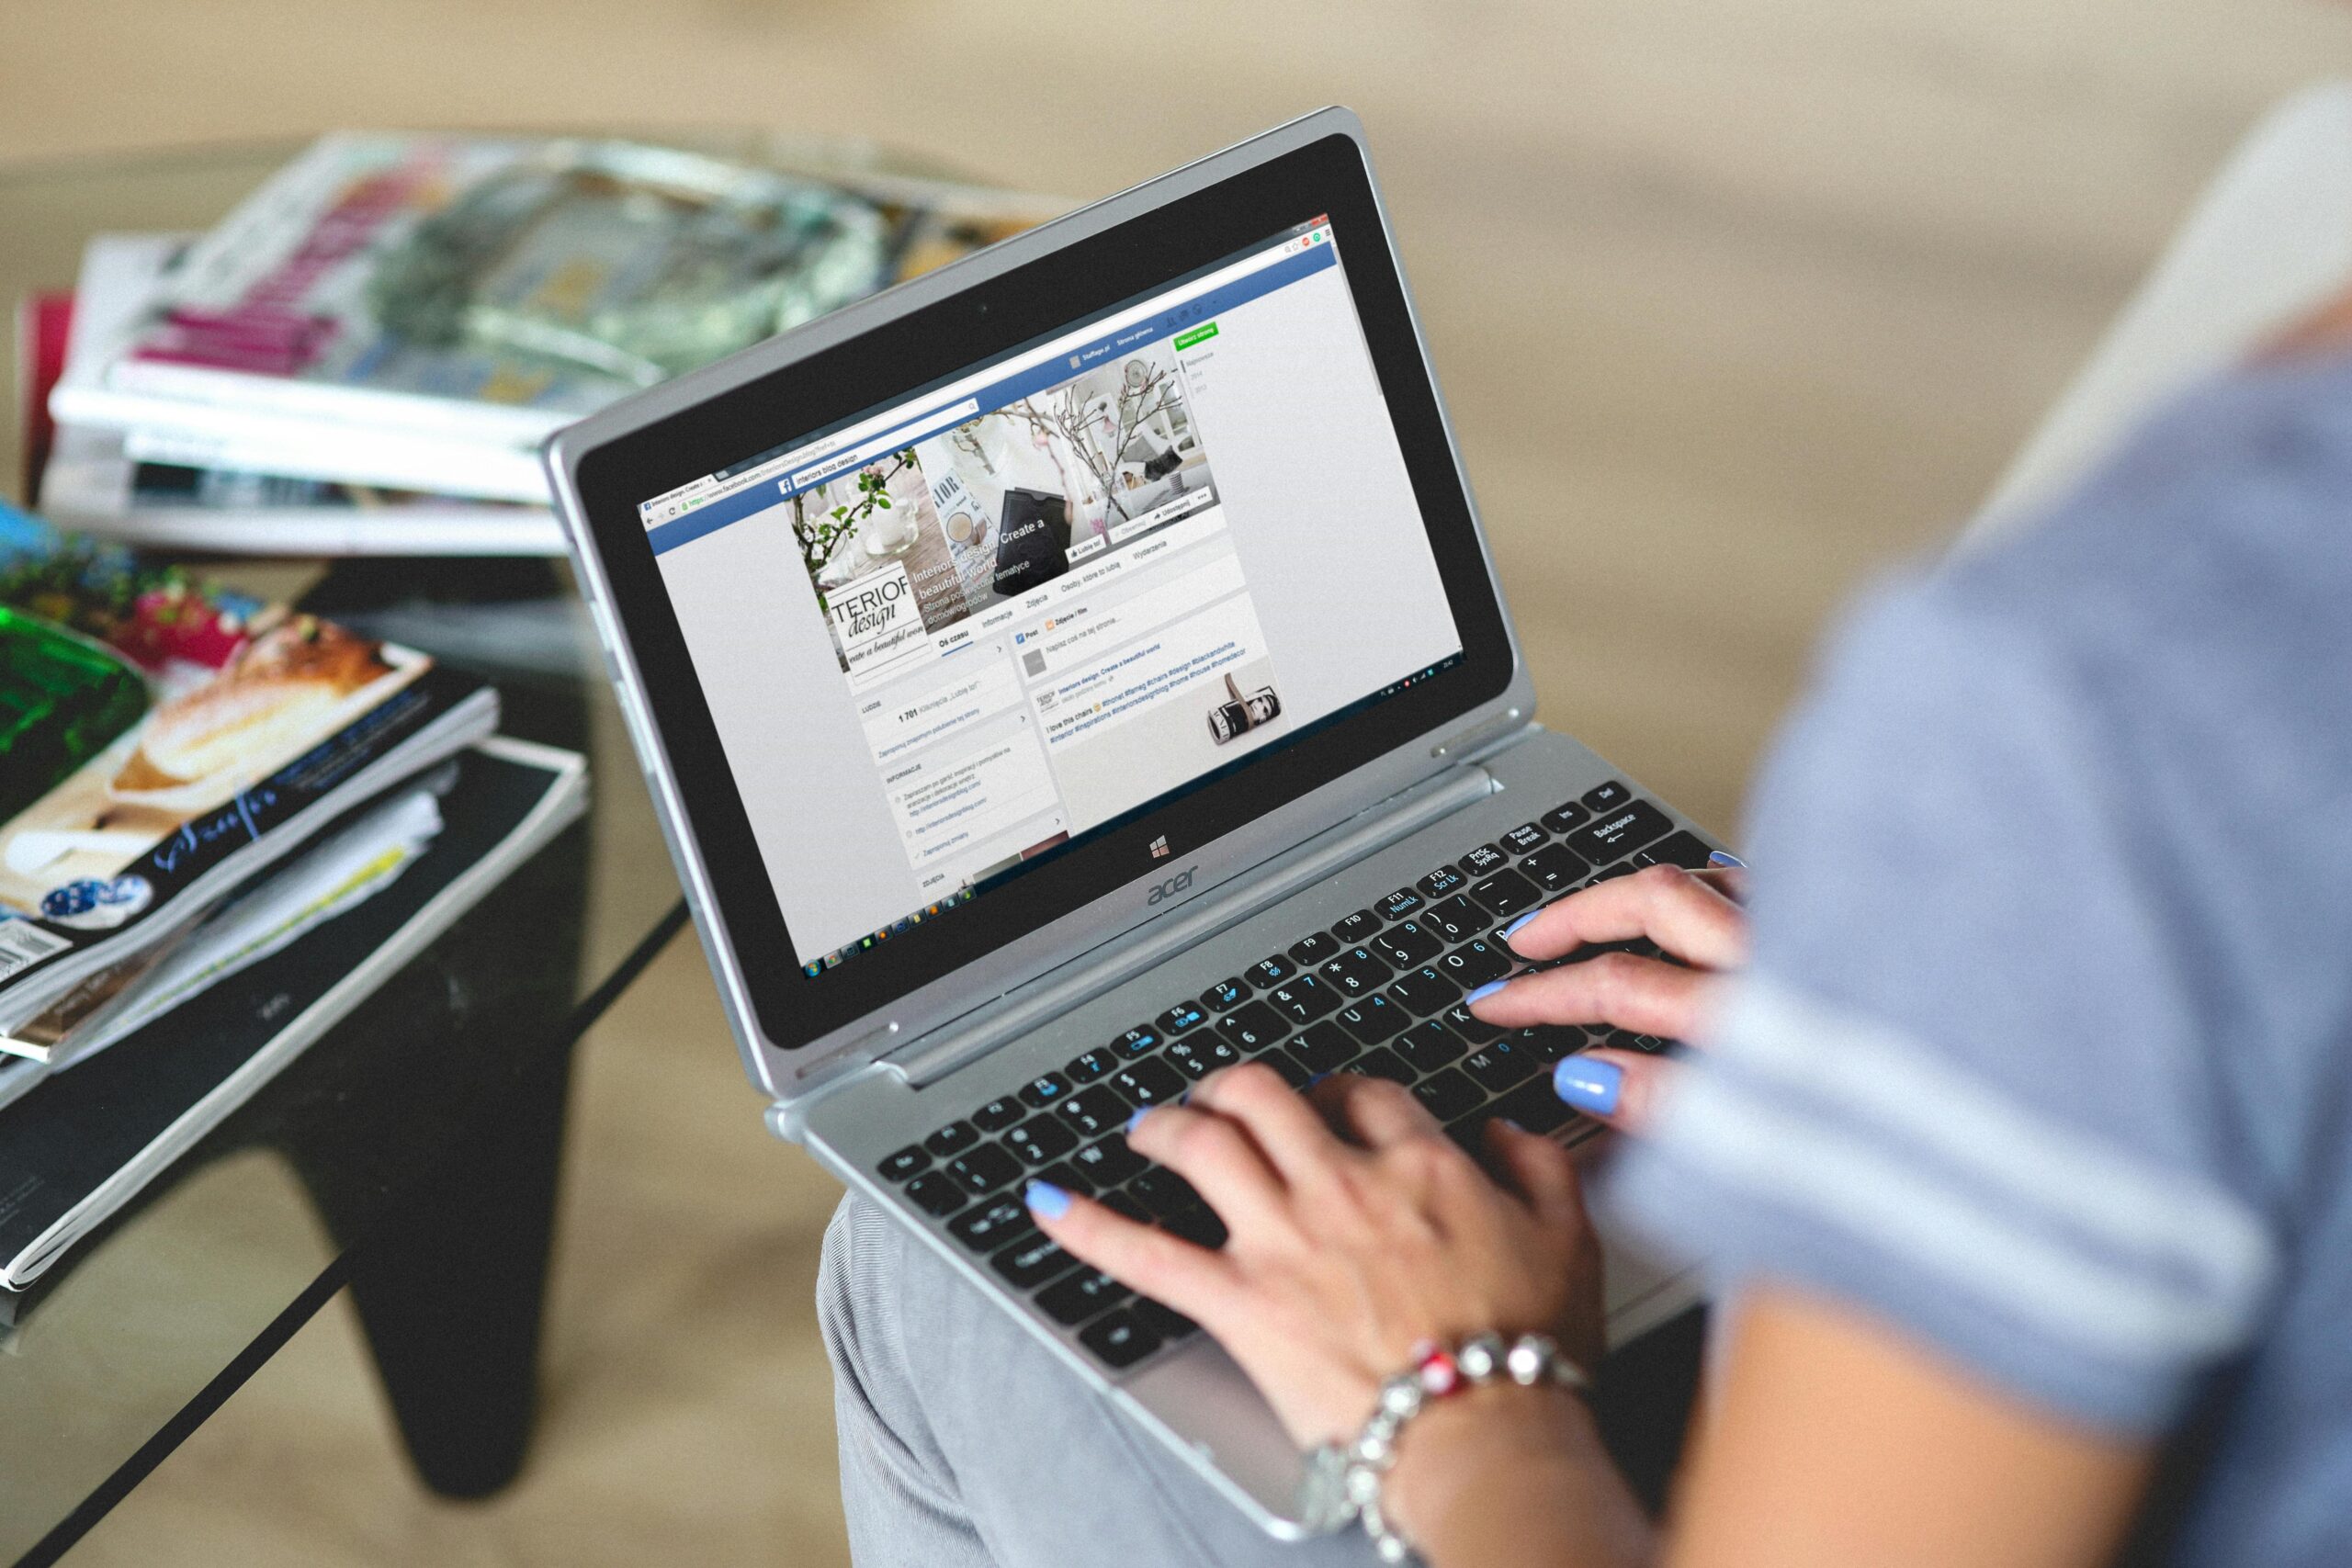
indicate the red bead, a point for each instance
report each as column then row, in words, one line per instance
column 1440, row 1376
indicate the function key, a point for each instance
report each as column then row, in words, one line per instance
column 998, row 1114
column 1119, row 1341
column 984, row 1169
column 1682, row 849
column 1092, row 1064
column 1527, row 836
column 936, row 1193
column 1225, row 994
column 904, row 1163
column 1440, row 882
column 1505, row 894
column 1622, row 831
column 1136, row 1042
column 1314, row 949
column 1555, row 867
column 1041, row 1140
column 1271, row 970
column 951, row 1139
column 1044, row 1090
column 1485, row 861
column 1606, row 797
column 1357, row 927
column 1564, row 816
column 1399, row 904
column 1181, row 1017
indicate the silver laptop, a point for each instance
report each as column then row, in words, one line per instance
column 1073, row 672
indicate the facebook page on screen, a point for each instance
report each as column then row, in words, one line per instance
column 958, row 635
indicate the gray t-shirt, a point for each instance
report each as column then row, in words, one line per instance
column 2046, row 1055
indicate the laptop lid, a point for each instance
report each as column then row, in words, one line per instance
column 972, row 626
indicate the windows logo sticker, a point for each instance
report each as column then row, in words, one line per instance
column 1160, row 847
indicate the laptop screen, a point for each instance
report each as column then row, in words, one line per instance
column 949, row 639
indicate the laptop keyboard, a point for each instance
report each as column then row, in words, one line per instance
column 1378, row 993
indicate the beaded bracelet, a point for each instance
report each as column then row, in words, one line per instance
column 1342, row 1480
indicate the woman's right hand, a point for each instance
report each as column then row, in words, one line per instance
column 1693, row 916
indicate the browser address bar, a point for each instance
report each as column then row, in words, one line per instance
column 905, row 435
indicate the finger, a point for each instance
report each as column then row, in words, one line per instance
column 1684, row 912
column 1623, row 1088
column 1215, row 1154
column 1644, row 995
column 1294, row 1140
column 1194, row 1281
column 1540, row 1170
column 1378, row 1112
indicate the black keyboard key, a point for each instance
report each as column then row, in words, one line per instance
column 1325, row 1047
column 1448, row 1094
column 1313, row 948
column 1162, row 1191
column 1399, row 904
column 1550, row 1042
column 1473, row 963
column 1556, row 868
column 1225, row 994
column 1064, row 1176
column 1092, row 1064
column 1118, row 1340
column 1612, row 874
column 1181, row 1017
column 1109, row 1163
column 1197, row 1225
column 1426, row 1047
column 1505, row 894
column 1534, row 1107
column 1253, row 1027
column 1030, row 1263
column 1423, row 992
column 1525, row 838
column 1440, row 882
column 1072, row 1301
column 1047, row 1090
column 1565, row 816
column 1271, row 970
column 1303, row 999
column 1140, row 1041
column 1383, row 1062
column 1096, row 1109
column 1356, row 971
column 1286, row 1067
column 1622, row 831
column 1041, row 1140
column 1469, row 1025
column 1456, row 920
column 1406, row 944
column 1164, row 1320
column 992, row 1224
column 1374, row 1020
column 1484, row 860
column 1125, row 1207
column 1680, row 847
column 951, row 1139
column 936, row 1193
column 1357, row 927
column 984, row 1169
column 904, row 1163
column 998, row 1114
column 1198, row 1055
column 1606, row 797
column 1499, row 1066
column 1150, row 1083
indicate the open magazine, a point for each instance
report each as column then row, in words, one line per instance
column 161, row 742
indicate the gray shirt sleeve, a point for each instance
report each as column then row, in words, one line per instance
column 1977, row 1081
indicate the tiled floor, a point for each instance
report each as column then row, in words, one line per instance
column 1734, row 302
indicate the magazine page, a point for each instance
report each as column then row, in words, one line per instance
column 165, row 740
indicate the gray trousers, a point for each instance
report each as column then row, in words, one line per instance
column 964, row 1443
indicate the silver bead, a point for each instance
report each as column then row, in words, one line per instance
column 1526, row 1361
column 1363, row 1487
column 1374, row 1448
column 1392, row 1547
column 1400, row 1397
column 1479, row 1356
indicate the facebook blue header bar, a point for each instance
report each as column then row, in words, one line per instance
column 1179, row 317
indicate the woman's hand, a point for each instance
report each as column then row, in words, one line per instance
column 1344, row 1254
column 1693, row 916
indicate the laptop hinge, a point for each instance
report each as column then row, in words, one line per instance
column 930, row 1058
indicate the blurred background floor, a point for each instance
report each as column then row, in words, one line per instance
column 1734, row 302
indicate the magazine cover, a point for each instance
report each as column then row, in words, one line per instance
column 161, row 740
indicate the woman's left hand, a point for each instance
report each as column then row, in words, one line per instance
column 1347, row 1252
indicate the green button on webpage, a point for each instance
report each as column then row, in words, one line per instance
column 1198, row 335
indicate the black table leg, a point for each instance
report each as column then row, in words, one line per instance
column 452, row 1301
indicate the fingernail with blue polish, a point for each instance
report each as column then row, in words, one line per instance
column 1588, row 1085
column 1513, row 929
column 1317, row 1080
column 1724, row 857
column 1136, row 1121
column 1488, row 989
column 1509, row 1123
column 1045, row 1201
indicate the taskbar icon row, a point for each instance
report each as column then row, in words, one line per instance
column 866, row 943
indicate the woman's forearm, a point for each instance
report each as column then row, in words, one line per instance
column 1509, row 1477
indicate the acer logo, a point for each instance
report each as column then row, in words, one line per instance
column 1173, row 886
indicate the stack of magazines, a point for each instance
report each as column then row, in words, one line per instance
column 196, row 790
column 364, row 358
